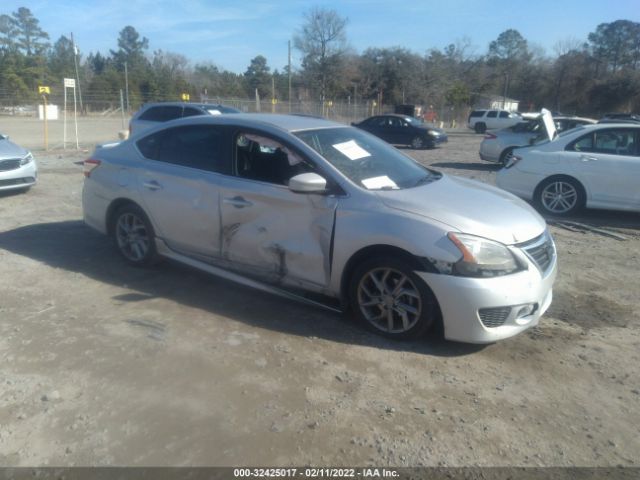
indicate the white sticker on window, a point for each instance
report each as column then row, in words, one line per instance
column 351, row 150
column 375, row 183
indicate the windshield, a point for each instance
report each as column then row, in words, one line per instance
column 367, row 161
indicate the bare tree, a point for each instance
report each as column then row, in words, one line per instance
column 323, row 43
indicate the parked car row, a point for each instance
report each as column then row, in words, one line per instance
column 333, row 215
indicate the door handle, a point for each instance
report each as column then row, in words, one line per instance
column 152, row 185
column 237, row 202
column 586, row 158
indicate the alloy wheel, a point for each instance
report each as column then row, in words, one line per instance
column 559, row 197
column 389, row 300
column 132, row 237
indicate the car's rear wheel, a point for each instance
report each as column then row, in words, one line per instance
column 481, row 127
column 505, row 156
column 390, row 299
column 417, row 143
column 134, row 236
column 560, row 196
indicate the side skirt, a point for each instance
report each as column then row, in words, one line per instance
column 165, row 251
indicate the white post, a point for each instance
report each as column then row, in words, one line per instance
column 75, row 116
column 64, row 130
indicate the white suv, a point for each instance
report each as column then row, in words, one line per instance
column 483, row 120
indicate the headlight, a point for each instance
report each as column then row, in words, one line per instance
column 26, row 159
column 482, row 257
column 434, row 133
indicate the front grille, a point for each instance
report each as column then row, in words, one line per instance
column 494, row 317
column 541, row 251
column 12, row 164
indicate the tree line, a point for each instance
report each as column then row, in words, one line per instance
column 598, row 74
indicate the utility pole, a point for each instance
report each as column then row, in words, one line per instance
column 126, row 84
column 75, row 62
column 289, row 43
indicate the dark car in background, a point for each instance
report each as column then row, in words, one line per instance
column 620, row 118
column 403, row 130
column 151, row 114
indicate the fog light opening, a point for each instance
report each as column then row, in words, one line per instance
column 524, row 311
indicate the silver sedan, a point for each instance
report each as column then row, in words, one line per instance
column 18, row 169
column 327, row 213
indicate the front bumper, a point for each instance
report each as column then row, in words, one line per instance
column 461, row 298
column 18, row 178
column 436, row 140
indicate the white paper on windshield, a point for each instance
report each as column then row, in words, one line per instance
column 351, row 150
column 375, row 183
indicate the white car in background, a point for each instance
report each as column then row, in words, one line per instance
column 497, row 146
column 595, row 166
column 482, row 120
column 18, row 170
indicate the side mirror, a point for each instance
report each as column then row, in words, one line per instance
column 308, row 183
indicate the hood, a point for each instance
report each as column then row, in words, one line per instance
column 469, row 207
column 549, row 124
column 11, row 150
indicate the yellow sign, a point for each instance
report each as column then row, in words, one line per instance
column 186, row 97
column 274, row 101
column 42, row 89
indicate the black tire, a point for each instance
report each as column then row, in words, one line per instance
column 481, row 127
column 560, row 195
column 504, row 156
column 417, row 143
column 133, row 236
column 402, row 315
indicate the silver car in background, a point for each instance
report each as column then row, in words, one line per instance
column 18, row 169
column 498, row 146
column 305, row 207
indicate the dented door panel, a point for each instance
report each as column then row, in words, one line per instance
column 277, row 235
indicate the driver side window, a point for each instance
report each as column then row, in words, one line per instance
column 267, row 160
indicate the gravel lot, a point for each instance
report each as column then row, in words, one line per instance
column 105, row 364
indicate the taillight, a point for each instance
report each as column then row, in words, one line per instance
column 490, row 136
column 89, row 165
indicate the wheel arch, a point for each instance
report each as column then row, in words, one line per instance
column 114, row 206
column 418, row 263
column 560, row 176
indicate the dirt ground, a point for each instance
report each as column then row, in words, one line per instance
column 105, row 364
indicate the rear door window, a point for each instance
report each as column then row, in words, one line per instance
column 492, row 114
column 195, row 146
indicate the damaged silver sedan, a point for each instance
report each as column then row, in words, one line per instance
column 329, row 214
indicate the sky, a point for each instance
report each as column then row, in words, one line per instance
column 230, row 33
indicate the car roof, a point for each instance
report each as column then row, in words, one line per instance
column 183, row 104
column 289, row 123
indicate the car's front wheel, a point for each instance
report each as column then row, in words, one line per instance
column 560, row 196
column 417, row 143
column 390, row 299
column 134, row 236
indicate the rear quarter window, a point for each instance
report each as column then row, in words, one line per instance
column 477, row 113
